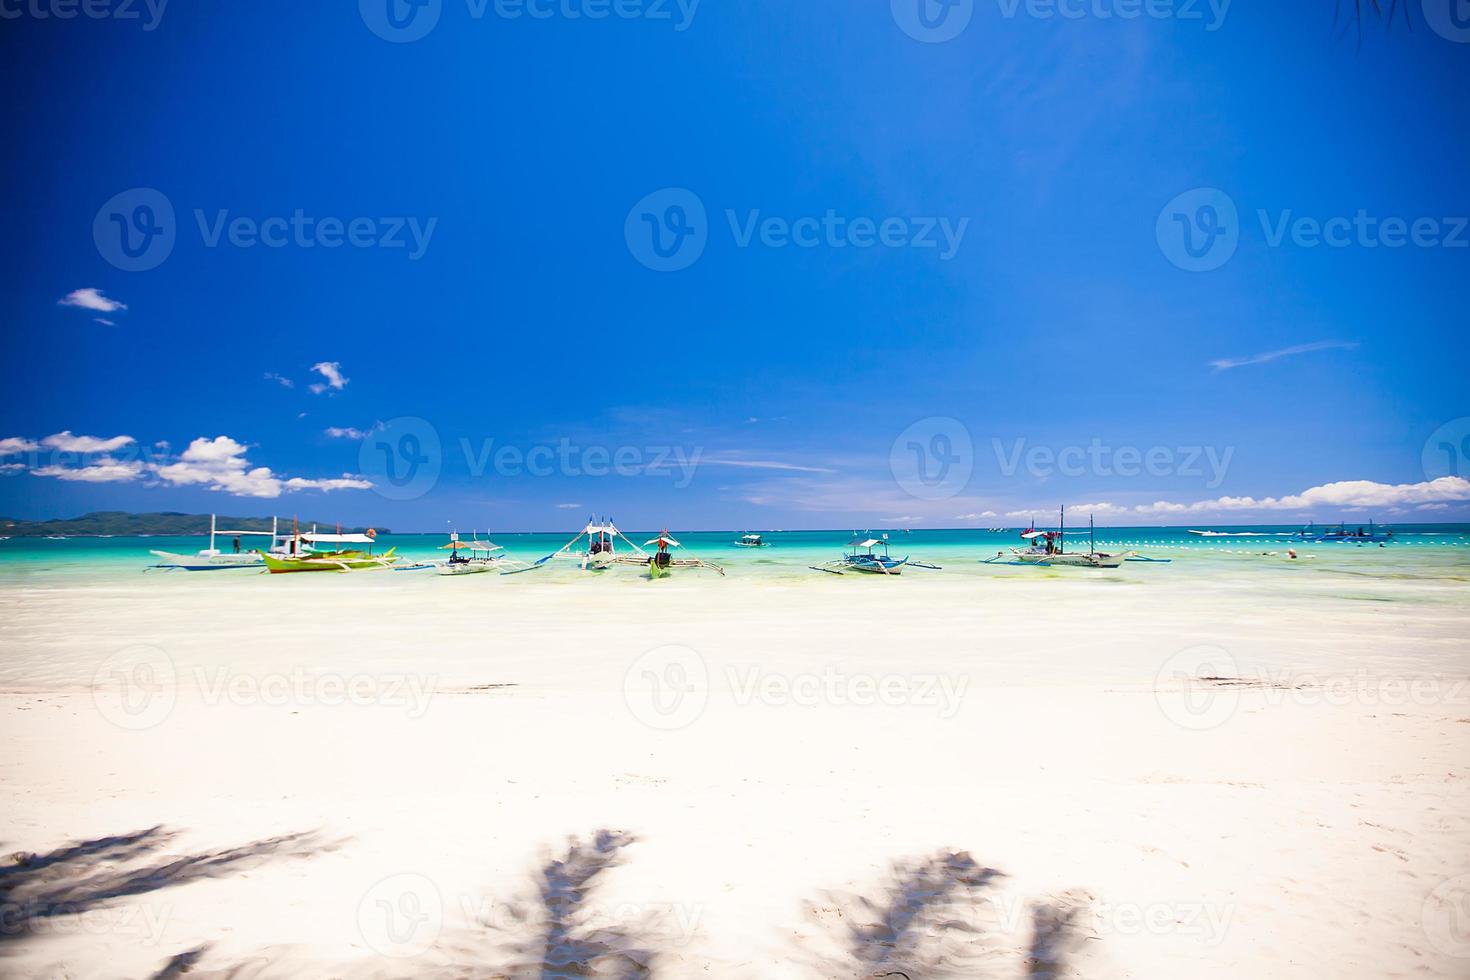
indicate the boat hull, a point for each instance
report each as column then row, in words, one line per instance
column 892, row 566
column 474, row 566
column 1081, row 560
column 206, row 563
column 349, row 562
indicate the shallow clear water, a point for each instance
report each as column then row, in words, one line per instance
column 1438, row 554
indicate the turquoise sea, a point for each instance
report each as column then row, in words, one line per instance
column 1426, row 551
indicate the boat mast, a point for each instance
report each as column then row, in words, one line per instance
column 211, row 532
column 1062, row 531
column 1091, row 536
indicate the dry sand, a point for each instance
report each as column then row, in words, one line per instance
column 947, row 776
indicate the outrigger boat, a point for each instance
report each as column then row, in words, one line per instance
column 864, row 556
column 481, row 558
column 212, row 559
column 1344, row 536
column 305, row 555
column 1048, row 549
column 751, row 541
column 594, row 549
column 662, row 562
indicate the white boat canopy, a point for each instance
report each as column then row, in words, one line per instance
column 869, row 543
column 268, row 534
column 664, row 539
column 1034, row 534
column 314, row 537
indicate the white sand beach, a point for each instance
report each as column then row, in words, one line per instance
column 363, row 776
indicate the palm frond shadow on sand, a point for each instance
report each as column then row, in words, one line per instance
column 92, row 874
column 940, row 916
column 559, row 934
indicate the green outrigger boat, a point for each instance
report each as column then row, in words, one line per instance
column 304, row 555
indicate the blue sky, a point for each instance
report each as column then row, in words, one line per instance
column 1032, row 328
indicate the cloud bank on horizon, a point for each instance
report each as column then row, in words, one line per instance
column 217, row 464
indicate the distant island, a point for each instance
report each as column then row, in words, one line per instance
column 164, row 523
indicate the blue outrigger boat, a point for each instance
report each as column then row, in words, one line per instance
column 864, row 556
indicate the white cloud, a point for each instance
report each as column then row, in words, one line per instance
column 220, row 464
column 105, row 323
column 284, row 382
column 569, row 506
column 1225, row 364
column 66, row 442
column 104, row 470
column 975, row 517
column 18, row 444
column 91, row 298
column 345, row 482
column 1343, row 495
column 12, row 468
column 351, row 432
column 332, row 371
column 757, row 464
